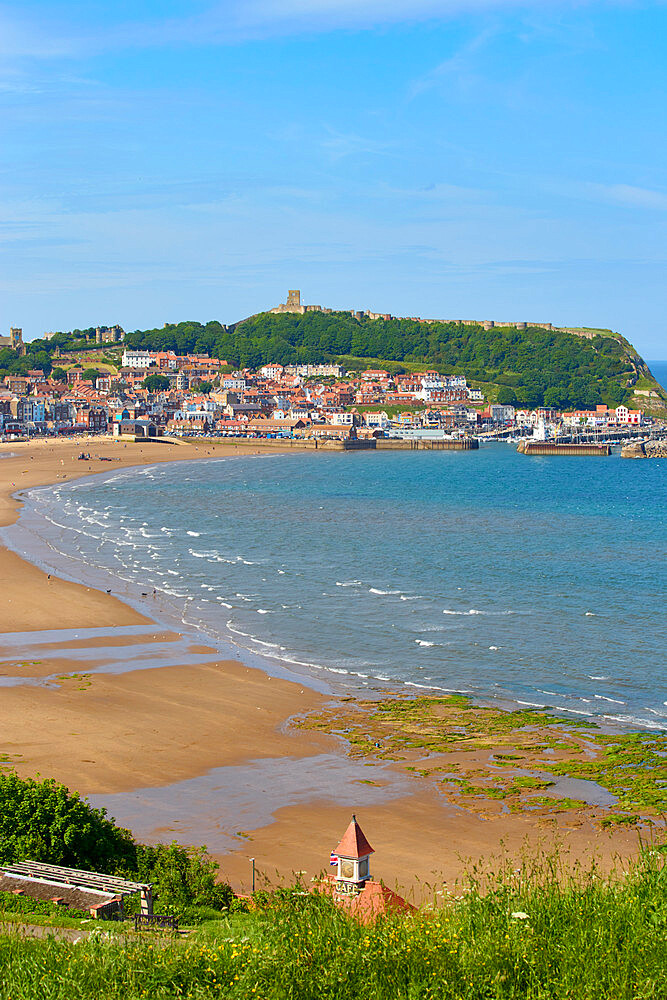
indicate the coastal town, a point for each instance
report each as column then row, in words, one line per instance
column 333, row 506
column 160, row 393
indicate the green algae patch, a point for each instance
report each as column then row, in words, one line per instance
column 497, row 756
column 619, row 819
column 632, row 767
column 565, row 804
column 450, row 724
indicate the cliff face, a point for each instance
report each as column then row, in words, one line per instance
column 648, row 449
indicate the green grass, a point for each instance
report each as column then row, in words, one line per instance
column 31, row 909
column 532, row 933
column 647, row 383
column 42, row 920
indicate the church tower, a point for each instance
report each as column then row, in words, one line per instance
column 353, row 857
column 16, row 338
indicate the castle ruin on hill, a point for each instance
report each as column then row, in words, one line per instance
column 295, row 305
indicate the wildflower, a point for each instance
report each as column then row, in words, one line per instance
column 519, row 915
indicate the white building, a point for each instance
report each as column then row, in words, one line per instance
column 313, row 371
column 344, row 419
column 378, row 420
column 271, row 371
column 626, row 416
column 540, row 430
column 136, row 359
column 500, row 413
column 300, row 412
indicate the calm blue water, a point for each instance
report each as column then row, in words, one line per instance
column 659, row 370
column 539, row 580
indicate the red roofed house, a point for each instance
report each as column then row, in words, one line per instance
column 352, row 888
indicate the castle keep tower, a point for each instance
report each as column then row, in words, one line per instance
column 293, row 304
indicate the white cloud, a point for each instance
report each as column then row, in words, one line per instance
column 460, row 66
column 630, row 196
column 339, row 144
column 307, row 15
column 231, row 21
column 19, row 39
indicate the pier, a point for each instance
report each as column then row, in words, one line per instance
column 554, row 448
column 427, row 444
column 346, row 444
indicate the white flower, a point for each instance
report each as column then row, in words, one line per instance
column 519, row 915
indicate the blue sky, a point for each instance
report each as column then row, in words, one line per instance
column 481, row 159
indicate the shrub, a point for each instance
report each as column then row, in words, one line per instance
column 44, row 821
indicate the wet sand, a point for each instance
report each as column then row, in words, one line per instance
column 108, row 733
column 146, row 709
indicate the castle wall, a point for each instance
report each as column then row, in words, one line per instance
column 294, row 305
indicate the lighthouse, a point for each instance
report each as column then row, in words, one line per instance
column 353, row 858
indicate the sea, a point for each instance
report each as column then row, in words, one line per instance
column 519, row 580
column 659, row 370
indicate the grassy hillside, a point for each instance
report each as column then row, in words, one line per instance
column 532, row 934
column 534, row 366
column 529, row 367
column 547, row 930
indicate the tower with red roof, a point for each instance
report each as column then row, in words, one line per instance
column 352, row 888
column 353, row 854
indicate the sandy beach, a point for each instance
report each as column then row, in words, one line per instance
column 134, row 705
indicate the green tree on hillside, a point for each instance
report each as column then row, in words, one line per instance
column 156, row 383
column 507, row 396
column 44, row 821
column 530, row 361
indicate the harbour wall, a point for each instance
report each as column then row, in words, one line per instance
column 365, row 444
column 400, row 444
column 551, row 448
